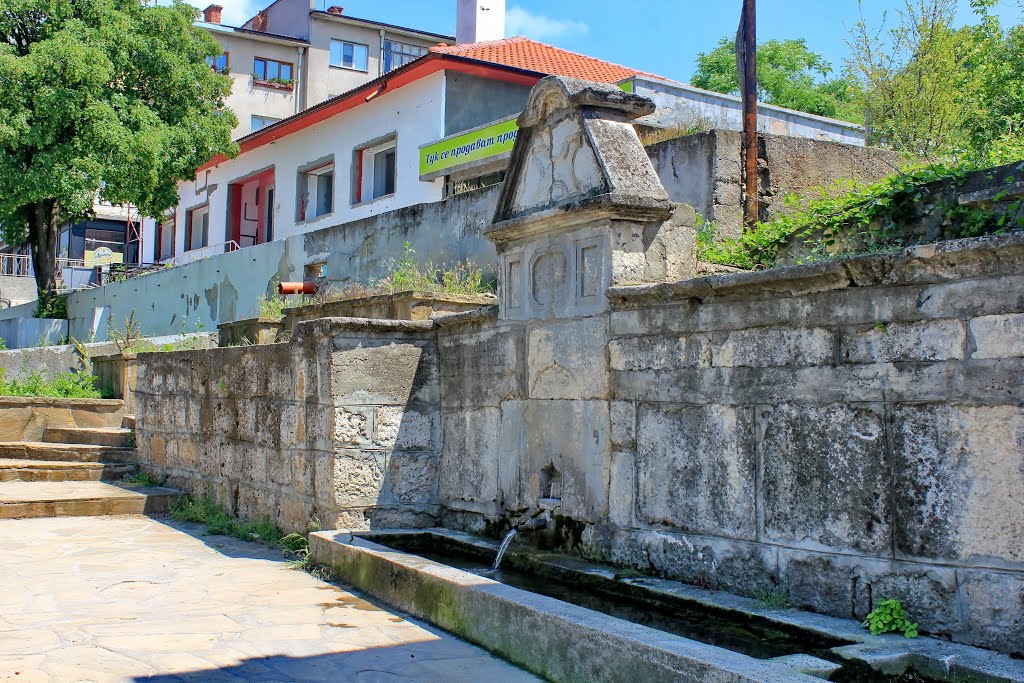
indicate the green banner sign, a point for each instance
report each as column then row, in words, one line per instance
column 458, row 150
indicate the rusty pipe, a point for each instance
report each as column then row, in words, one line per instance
column 307, row 287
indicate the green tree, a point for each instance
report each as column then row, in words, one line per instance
column 788, row 75
column 109, row 99
column 936, row 90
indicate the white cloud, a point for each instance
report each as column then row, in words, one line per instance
column 521, row 22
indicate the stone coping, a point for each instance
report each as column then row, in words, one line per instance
column 115, row 357
column 921, row 264
column 325, row 326
column 574, row 212
column 558, row 640
column 22, row 401
column 932, row 657
column 480, row 314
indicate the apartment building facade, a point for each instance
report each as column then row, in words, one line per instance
column 291, row 56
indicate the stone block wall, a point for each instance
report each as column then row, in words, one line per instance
column 703, row 170
column 341, row 424
column 847, row 432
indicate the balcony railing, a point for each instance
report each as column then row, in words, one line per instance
column 20, row 265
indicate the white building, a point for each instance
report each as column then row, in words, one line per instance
column 439, row 124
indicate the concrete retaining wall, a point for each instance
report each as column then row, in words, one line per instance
column 27, row 332
column 16, row 290
column 228, row 287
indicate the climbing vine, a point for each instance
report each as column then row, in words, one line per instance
column 867, row 215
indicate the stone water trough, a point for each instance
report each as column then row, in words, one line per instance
column 734, row 639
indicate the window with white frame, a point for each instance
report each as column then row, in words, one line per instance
column 349, row 55
column 316, row 191
column 376, row 170
column 398, row 54
column 197, row 227
column 259, row 122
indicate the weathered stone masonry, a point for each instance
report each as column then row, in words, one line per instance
column 338, row 423
column 845, row 432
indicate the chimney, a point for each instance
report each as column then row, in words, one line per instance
column 260, row 21
column 335, row 9
column 479, row 20
column 211, row 15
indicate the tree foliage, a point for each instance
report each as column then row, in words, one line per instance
column 108, row 99
column 936, row 90
column 789, row 75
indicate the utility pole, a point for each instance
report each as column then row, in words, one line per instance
column 746, row 63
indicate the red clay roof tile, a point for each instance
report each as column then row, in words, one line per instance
column 523, row 53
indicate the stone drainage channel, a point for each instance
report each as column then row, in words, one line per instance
column 569, row 620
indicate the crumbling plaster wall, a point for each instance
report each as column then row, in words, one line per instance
column 228, row 287
column 703, row 170
column 340, row 424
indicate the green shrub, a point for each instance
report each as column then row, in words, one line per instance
column 871, row 213
column 52, row 306
column 77, row 384
column 889, row 617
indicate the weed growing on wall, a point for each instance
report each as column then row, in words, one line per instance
column 206, row 510
column 142, row 479
column 54, row 306
column 868, row 214
column 404, row 274
column 889, row 617
column 78, row 384
column 775, row 598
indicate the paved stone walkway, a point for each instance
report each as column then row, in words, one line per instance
column 135, row 599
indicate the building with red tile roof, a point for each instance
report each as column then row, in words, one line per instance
column 522, row 53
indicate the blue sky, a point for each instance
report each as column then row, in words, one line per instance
column 658, row 37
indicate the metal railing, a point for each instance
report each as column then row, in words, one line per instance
column 16, row 265
column 20, row 265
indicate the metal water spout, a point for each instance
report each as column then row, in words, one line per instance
column 503, row 548
column 533, row 524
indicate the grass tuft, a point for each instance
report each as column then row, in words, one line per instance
column 143, row 479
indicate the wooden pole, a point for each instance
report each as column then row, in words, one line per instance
column 748, row 30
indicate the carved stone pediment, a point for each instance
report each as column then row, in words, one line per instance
column 576, row 143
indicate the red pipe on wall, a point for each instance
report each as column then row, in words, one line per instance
column 296, row 287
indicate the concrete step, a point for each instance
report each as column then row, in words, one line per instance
column 128, row 422
column 91, row 436
column 56, row 470
column 20, row 499
column 37, row 450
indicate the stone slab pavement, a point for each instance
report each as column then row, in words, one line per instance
column 130, row 598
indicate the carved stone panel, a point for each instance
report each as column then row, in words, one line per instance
column 548, row 276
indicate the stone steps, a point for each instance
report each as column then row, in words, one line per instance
column 64, row 452
column 56, row 470
column 64, row 475
column 90, row 436
column 20, row 499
